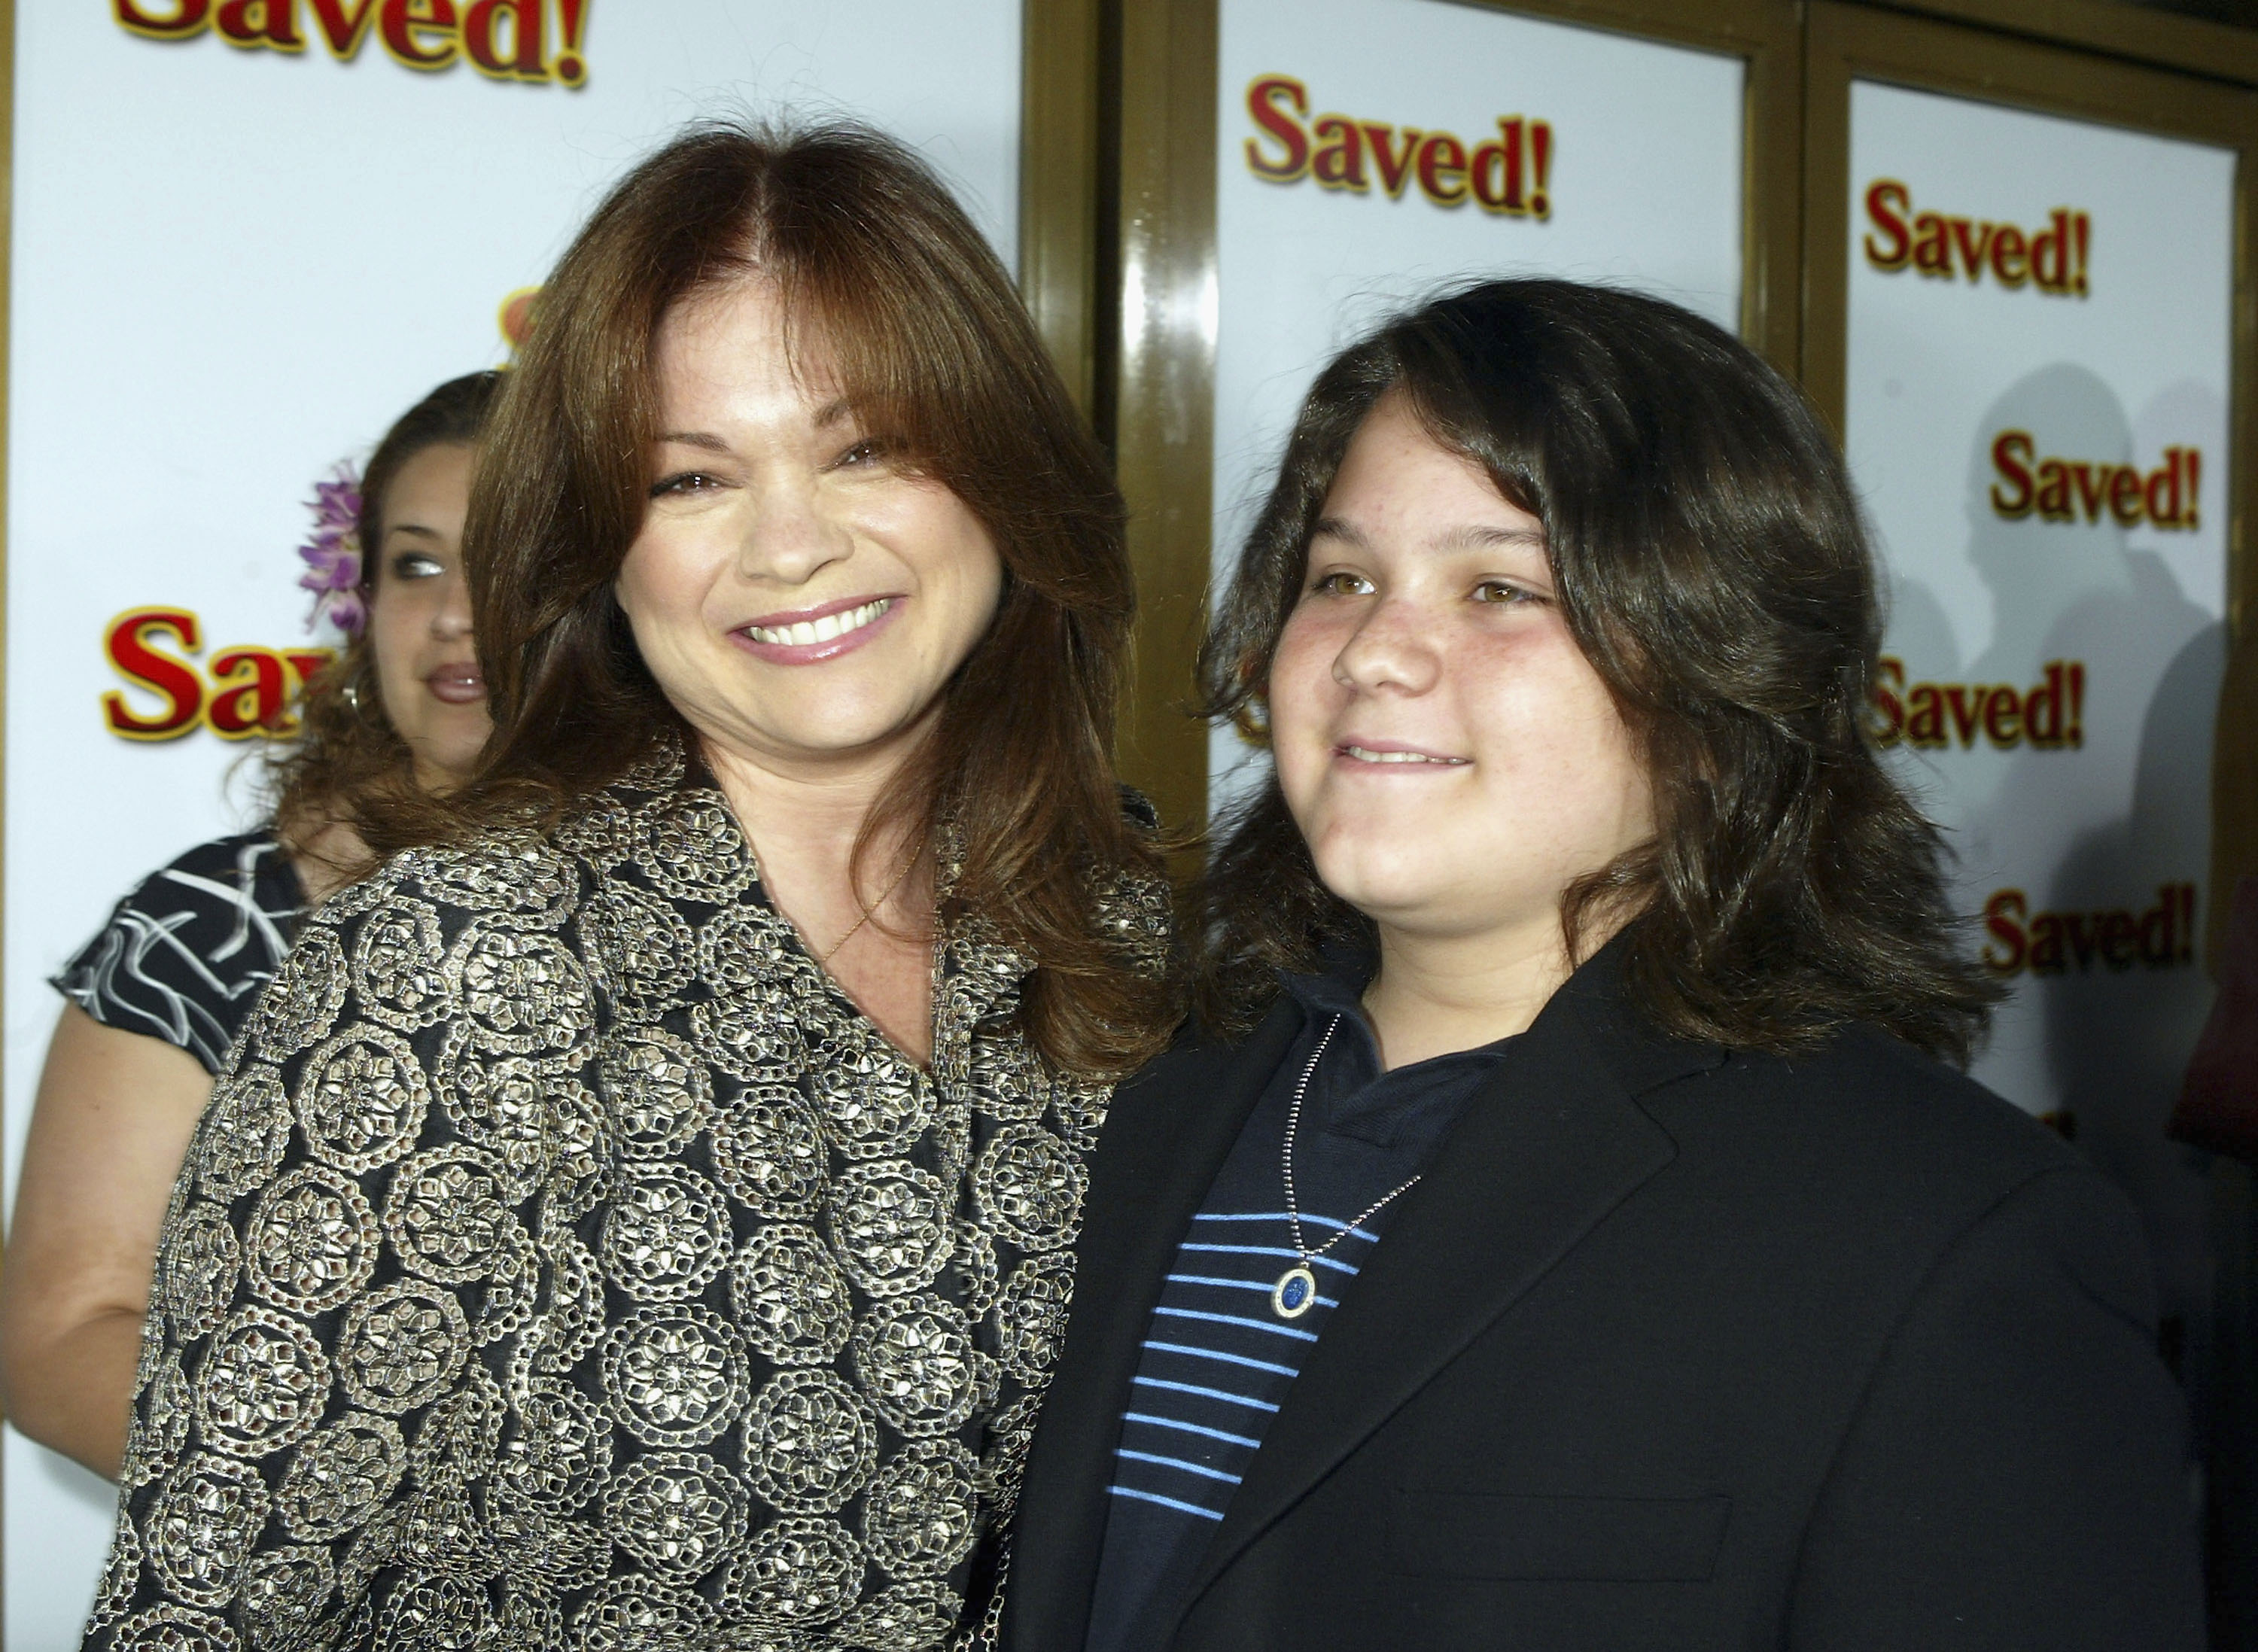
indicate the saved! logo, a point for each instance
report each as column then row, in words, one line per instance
column 503, row 40
column 1509, row 174
column 241, row 690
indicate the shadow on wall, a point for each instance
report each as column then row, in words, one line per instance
column 2110, row 824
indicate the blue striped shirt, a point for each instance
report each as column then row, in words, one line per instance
column 1219, row 1356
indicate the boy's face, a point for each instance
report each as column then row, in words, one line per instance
column 1449, row 754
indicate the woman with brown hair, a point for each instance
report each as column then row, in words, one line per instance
column 638, row 1213
column 1569, row 1232
column 159, row 995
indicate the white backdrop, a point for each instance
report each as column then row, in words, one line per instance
column 2107, row 831
column 1643, row 187
column 233, row 268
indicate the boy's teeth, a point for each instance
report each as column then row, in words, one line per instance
column 1363, row 755
column 804, row 632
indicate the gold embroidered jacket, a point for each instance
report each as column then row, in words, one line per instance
column 562, row 1262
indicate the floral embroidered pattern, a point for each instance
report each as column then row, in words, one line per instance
column 815, row 1443
column 204, row 1518
column 263, row 1384
column 675, row 1376
column 567, row 1265
column 340, row 1477
column 922, row 1514
column 312, row 1240
column 362, row 1097
column 890, row 1225
column 246, row 1127
column 791, row 1297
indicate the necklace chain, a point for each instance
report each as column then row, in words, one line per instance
column 868, row 912
column 823, row 960
column 1293, row 1121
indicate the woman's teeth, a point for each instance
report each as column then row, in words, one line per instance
column 1363, row 755
column 830, row 624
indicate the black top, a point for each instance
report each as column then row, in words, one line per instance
column 184, row 955
column 1674, row 1347
column 1224, row 1346
column 564, row 1261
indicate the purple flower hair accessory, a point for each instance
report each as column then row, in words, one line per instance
column 332, row 555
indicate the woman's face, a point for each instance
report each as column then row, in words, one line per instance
column 1449, row 754
column 800, row 598
column 419, row 619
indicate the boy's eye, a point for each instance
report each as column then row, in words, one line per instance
column 1504, row 592
column 871, row 452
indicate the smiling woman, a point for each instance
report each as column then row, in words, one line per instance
column 641, row 1209
column 402, row 710
column 770, row 491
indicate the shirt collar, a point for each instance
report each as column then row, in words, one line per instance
column 1350, row 1093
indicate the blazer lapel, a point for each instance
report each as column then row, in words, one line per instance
column 1551, row 1145
column 1166, row 1134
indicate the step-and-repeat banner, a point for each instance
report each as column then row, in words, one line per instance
column 249, row 233
column 1371, row 151
column 2040, row 333
column 247, row 236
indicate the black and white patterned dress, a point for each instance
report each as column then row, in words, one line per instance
column 565, row 1263
column 183, row 956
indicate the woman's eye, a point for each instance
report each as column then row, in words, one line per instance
column 683, row 483
column 414, row 564
column 1341, row 584
column 1504, row 592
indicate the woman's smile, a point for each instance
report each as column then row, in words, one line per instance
column 813, row 635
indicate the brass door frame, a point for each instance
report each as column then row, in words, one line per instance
column 2134, row 33
column 7, row 311
column 1163, row 392
column 1061, row 169
column 1844, row 43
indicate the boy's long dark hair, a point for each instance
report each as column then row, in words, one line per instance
column 1709, row 559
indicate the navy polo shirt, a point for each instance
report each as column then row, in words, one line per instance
column 1219, row 1355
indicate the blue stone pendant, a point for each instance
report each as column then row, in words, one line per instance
column 1296, row 1289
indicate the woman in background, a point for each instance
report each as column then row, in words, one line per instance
column 159, row 995
column 1572, row 1232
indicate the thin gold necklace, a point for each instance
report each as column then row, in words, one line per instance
column 823, row 960
column 868, row 912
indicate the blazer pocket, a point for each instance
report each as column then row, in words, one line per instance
column 1567, row 1539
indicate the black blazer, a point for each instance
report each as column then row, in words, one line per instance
column 1673, row 1348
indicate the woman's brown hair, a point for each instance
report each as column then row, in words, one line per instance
column 932, row 349
column 347, row 753
column 1709, row 557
